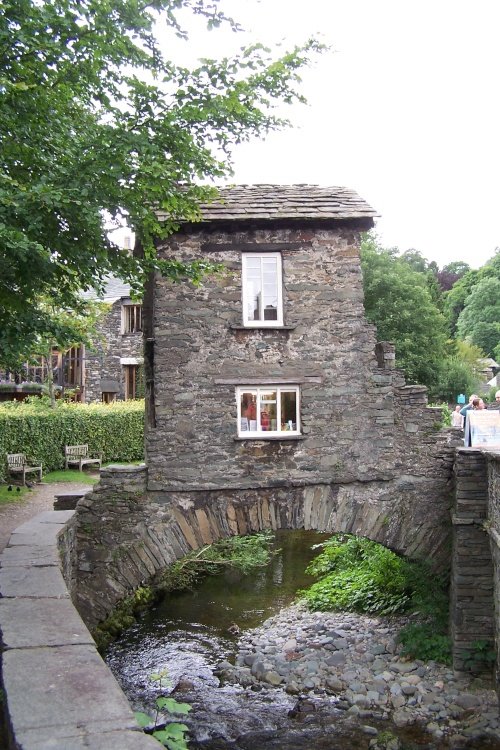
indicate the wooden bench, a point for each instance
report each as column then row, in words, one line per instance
column 79, row 455
column 17, row 463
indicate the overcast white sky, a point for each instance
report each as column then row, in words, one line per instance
column 404, row 110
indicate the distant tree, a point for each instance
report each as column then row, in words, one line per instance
column 451, row 273
column 415, row 259
column 456, row 376
column 457, row 267
column 455, row 299
column 398, row 301
column 479, row 321
column 98, row 126
column 417, row 262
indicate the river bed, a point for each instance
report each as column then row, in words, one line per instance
column 188, row 634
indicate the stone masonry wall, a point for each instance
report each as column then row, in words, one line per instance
column 472, row 611
column 493, row 460
column 201, row 353
column 103, row 363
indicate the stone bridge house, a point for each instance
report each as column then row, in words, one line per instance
column 255, row 405
column 269, row 404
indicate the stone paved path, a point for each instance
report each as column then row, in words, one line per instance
column 40, row 498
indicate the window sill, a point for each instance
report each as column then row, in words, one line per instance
column 262, row 328
column 280, row 438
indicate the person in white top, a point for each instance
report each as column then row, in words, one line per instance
column 457, row 419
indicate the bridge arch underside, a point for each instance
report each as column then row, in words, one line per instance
column 395, row 514
column 124, row 541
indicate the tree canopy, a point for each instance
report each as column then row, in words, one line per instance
column 398, row 300
column 479, row 321
column 98, row 127
column 455, row 299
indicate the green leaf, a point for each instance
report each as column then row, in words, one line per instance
column 173, row 706
column 143, row 719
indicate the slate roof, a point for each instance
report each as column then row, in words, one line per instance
column 272, row 202
column 114, row 289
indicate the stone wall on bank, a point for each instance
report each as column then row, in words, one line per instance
column 494, row 534
column 475, row 581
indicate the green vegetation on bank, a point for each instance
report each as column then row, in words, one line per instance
column 115, row 430
column 243, row 553
column 358, row 575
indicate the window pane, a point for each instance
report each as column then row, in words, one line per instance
column 254, row 297
column 253, row 261
column 268, row 411
column 261, row 288
column 248, row 405
column 288, row 410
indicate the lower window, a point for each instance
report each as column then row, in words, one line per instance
column 134, row 381
column 268, row 411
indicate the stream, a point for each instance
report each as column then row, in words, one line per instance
column 187, row 635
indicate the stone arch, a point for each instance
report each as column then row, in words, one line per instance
column 125, row 534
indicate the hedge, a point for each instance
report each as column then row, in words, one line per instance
column 116, row 430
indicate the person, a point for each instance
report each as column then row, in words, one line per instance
column 496, row 403
column 251, row 410
column 466, row 408
column 457, row 419
column 475, row 405
column 265, row 421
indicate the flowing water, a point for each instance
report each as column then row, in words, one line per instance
column 187, row 634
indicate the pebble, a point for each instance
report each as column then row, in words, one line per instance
column 324, row 653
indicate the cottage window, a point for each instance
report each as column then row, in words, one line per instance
column 73, row 367
column 134, row 381
column 131, row 318
column 262, row 293
column 270, row 411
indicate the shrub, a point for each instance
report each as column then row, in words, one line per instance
column 359, row 575
column 116, row 430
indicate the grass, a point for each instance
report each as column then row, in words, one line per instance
column 71, row 475
column 19, row 493
column 13, row 496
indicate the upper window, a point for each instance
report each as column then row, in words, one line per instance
column 262, row 295
column 131, row 318
column 269, row 411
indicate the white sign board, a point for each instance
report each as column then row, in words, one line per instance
column 484, row 428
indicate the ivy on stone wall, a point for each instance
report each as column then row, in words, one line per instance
column 116, row 430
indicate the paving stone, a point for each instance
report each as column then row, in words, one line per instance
column 32, row 582
column 32, row 555
column 27, row 623
column 80, row 739
column 61, row 687
column 31, row 533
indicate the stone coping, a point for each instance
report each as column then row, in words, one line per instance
column 59, row 692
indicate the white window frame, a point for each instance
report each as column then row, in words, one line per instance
column 245, row 297
column 257, row 390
